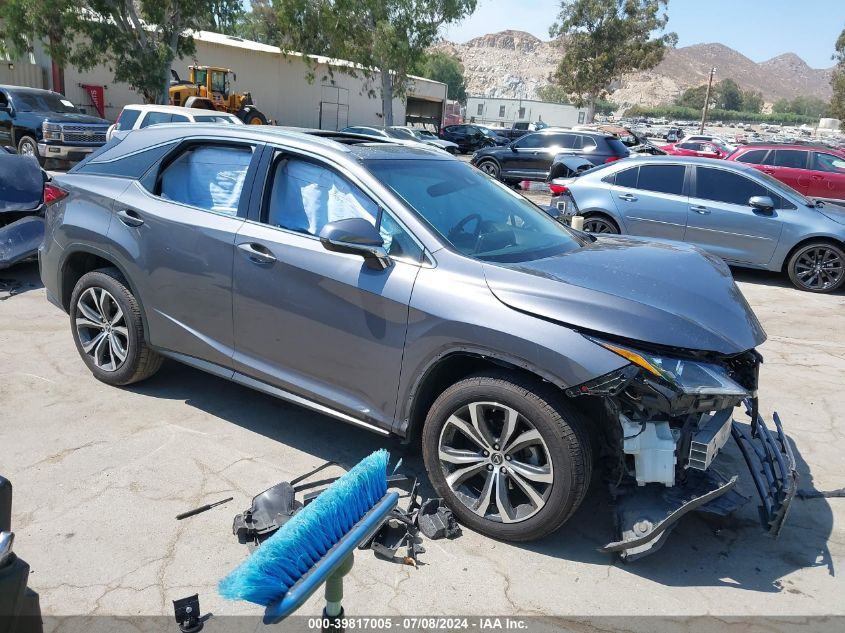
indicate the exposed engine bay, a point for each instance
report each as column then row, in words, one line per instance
column 668, row 415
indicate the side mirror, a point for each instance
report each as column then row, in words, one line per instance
column 356, row 236
column 6, row 108
column 762, row 203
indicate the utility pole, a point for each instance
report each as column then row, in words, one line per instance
column 706, row 101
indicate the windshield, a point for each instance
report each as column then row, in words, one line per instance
column 398, row 132
column 426, row 134
column 478, row 216
column 42, row 102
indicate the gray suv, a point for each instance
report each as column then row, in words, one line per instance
column 403, row 291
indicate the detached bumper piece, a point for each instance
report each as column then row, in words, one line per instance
column 772, row 465
column 645, row 515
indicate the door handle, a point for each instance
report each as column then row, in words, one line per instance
column 627, row 197
column 700, row 210
column 129, row 217
column 257, row 253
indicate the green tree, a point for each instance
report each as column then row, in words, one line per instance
column 727, row 95
column 837, row 80
column 387, row 37
column 138, row 39
column 552, row 93
column 605, row 39
column 752, row 101
column 259, row 24
column 693, row 97
column 446, row 68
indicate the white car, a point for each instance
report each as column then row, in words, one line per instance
column 136, row 116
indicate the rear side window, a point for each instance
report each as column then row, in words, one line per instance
column 753, row 157
column 662, row 178
column 127, row 119
column 585, row 143
column 132, row 165
column 209, row 177
column 627, row 178
column 153, row 118
column 793, row 158
column 727, row 187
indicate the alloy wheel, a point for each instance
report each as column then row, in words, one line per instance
column 489, row 168
column 26, row 149
column 819, row 268
column 495, row 462
column 597, row 225
column 101, row 328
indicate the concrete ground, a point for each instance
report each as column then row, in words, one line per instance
column 99, row 474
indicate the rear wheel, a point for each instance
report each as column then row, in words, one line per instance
column 509, row 456
column 105, row 319
column 817, row 267
column 598, row 223
column 490, row 167
column 253, row 117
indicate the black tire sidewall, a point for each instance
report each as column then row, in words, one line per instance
column 793, row 277
column 563, row 494
column 125, row 300
column 496, row 174
column 604, row 218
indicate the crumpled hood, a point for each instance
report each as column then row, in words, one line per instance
column 660, row 292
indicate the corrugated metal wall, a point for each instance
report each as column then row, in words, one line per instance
column 17, row 73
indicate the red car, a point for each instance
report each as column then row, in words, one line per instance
column 702, row 149
column 816, row 172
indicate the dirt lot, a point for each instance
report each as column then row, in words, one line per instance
column 100, row 473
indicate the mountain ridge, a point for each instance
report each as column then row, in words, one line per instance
column 516, row 64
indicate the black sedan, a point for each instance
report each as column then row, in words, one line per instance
column 531, row 157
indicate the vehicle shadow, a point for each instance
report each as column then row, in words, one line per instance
column 702, row 551
column 768, row 278
column 19, row 279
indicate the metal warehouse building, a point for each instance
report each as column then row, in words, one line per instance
column 278, row 83
column 499, row 112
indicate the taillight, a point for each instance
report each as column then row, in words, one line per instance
column 610, row 159
column 53, row 194
column 558, row 189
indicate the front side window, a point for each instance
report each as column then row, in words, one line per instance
column 218, row 83
column 531, row 141
column 304, row 196
column 727, row 187
column 209, row 177
column 662, row 178
column 829, row 163
column 754, row 157
column 478, row 216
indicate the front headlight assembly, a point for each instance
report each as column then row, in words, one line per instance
column 51, row 131
column 687, row 376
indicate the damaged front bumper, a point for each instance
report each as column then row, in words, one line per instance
column 646, row 514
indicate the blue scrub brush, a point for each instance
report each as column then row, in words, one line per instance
column 316, row 544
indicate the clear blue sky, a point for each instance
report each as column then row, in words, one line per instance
column 759, row 29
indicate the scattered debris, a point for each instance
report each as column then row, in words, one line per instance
column 436, row 521
column 201, row 509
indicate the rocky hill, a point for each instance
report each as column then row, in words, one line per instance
column 516, row 64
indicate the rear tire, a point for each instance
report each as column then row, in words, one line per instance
column 600, row 224
column 252, row 116
column 817, row 267
column 554, row 457
column 105, row 320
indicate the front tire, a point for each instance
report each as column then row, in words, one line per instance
column 105, row 320
column 490, row 167
column 509, row 456
column 817, row 267
column 27, row 146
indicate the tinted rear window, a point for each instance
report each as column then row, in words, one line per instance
column 662, row 178
column 617, row 147
column 627, row 178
